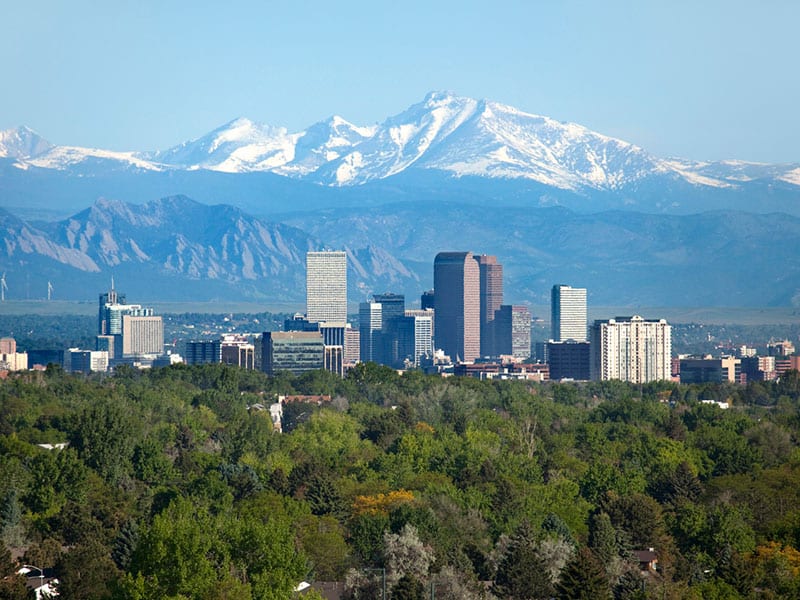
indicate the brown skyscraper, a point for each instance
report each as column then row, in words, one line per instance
column 491, row 296
column 456, row 282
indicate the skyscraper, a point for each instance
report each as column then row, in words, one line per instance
column 369, row 326
column 491, row 297
column 631, row 349
column 456, row 280
column 512, row 326
column 568, row 313
column 326, row 286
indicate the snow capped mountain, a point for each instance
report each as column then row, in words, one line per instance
column 322, row 143
column 453, row 136
column 463, row 136
column 22, row 142
column 239, row 146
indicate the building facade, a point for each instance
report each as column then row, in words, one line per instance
column 142, row 335
column 294, row 351
column 631, row 349
column 512, row 331
column 568, row 313
column 491, row 298
column 569, row 360
column 326, row 286
column 456, row 280
column 369, row 326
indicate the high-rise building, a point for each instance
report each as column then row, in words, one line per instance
column 203, row 352
column 426, row 300
column 491, row 297
column 568, row 313
column 369, row 326
column 326, row 286
column 631, row 349
column 352, row 345
column 388, row 350
column 512, row 326
column 420, row 325
column 142, row 335
column 456, row 280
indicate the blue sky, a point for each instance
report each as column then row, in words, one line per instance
column 704, row 80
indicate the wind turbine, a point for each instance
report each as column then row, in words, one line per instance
column 3, row 288
column 49, row 290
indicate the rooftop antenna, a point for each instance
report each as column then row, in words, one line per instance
column 49, row 290
column 3, row 288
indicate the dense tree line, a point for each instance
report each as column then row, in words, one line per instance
column 174, row 486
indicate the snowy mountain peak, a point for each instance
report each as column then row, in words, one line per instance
column 22, row 142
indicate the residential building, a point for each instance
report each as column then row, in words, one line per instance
column 631, row 349
column 326, row 286
column 352, row 345
column 568, row 313
column 456, row 278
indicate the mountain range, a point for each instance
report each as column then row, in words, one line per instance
column 230, row 215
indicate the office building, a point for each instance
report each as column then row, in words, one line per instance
column 418, row 336
column 631, row 349
column 369, row 326
column 85, row 361
column 491, row 298
column 203, row 352
column 568, row 313
column 456, row 279
column 142, row 335
column 694, row 369
column 512, row 331
column 237, row 350
column 389, row 350
column 326, row 286
column 293, row 351
column 569, row 360
column 427, row 300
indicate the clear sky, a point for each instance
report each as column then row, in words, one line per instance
column 701, row 79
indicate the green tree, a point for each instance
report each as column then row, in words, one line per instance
column 521, row 573
column 583, row 578
column 105, row 436
column 12, row 586
column 408, row 588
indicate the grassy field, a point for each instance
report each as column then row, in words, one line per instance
column 708, row 315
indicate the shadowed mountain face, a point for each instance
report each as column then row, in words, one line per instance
column 179, row 249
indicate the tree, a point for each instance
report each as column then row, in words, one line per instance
column 104, row 436
column 12, row 586
column 583, row 578
column 521, row 573
column 408, row 588
column 405, row 554
column 86, row 572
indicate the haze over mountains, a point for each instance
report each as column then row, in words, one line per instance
column 232, row 213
